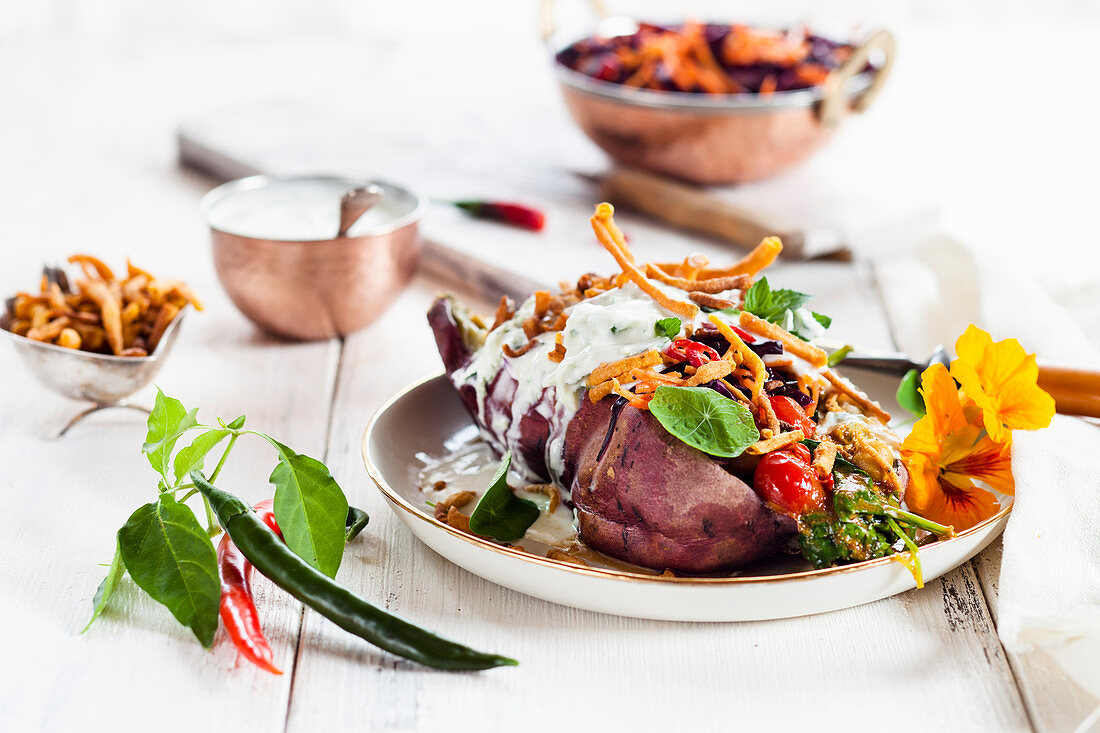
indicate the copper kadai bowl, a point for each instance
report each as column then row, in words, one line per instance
column 710, row 139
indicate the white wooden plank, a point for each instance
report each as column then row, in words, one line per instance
column 935, row 646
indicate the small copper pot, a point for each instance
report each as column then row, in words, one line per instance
column 316, row 288
column 711, row 139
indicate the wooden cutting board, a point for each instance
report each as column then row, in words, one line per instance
column 527, row 149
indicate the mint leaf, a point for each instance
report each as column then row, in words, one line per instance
column 668, row 327
column 771, row 305
column 170, row 557
column 499, row 513
column 311, row 509
column 908, row 394
column 356, row 522
column 167, row 422
column 107, row 586
column 704, row 419
column 825, row 321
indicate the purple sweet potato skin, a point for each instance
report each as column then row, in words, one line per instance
column 534, row 428
column 656, row 501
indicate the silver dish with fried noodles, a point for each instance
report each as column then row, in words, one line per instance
column 672, row 420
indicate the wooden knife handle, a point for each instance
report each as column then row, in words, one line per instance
column 687, row 207
column 1075, row 391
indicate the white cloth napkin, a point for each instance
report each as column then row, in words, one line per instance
column 1049, row 590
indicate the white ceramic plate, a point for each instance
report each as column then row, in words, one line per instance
column 427, row 414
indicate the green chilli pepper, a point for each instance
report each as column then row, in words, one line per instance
column 270, row 556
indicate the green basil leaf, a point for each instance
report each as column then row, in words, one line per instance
column 107, row 586
column 311, row 509
column 192, row 457
column 167, row 422
column 704, row 419
column 839, row 355
column 170, row 557
column 668, row 327
column 824, row 320
column 771, row 305
column 908, row 394
column 501, row 514
column 356, row 522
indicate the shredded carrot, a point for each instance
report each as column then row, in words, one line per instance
column 601, row 224
column 791, row 343
column 760, row 257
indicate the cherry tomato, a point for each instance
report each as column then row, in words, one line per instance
column 790, row 412
column 786, row 479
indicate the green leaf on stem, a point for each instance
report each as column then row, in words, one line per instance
column 704, row 419
column 908, row 394
column 192, row 457
column 107, row 586
column 499, row 513
column 311, row 509
column 170, row 557
column 167, row 422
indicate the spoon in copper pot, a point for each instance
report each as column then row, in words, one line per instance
column 354, row 203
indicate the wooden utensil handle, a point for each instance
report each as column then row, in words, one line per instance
column 687, row 207
column 1075, row 391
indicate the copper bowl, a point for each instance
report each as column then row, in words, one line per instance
column 710, row 139
column 310, row 289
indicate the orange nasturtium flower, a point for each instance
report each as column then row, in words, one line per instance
column 1001, row 379
column 946, row 451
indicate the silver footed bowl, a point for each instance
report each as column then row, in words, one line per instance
column 103, row 379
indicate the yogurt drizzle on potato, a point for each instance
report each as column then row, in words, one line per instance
column 564, row 384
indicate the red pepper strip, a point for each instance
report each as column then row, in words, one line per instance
column 238, row 610
column 691, row 351
column 518, row 215
column 745, row 336
column 790, row 412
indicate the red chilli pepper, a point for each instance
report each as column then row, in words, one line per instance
column 695, row 353
column 518, row 215
column 238, row 610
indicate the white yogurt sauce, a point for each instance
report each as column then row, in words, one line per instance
column 608, row 327
column 298, row 210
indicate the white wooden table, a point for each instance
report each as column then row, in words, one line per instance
column 925, row 659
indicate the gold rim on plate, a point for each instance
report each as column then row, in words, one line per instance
column 400, row 502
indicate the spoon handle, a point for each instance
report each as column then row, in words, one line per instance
column 1075, row 391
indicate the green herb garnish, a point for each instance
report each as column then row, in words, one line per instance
column 782, row 307
column 908, row 394
column 499, row 513
column 704, row 419
column 668, row 327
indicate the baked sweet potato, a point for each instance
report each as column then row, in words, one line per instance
column 649, row 498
